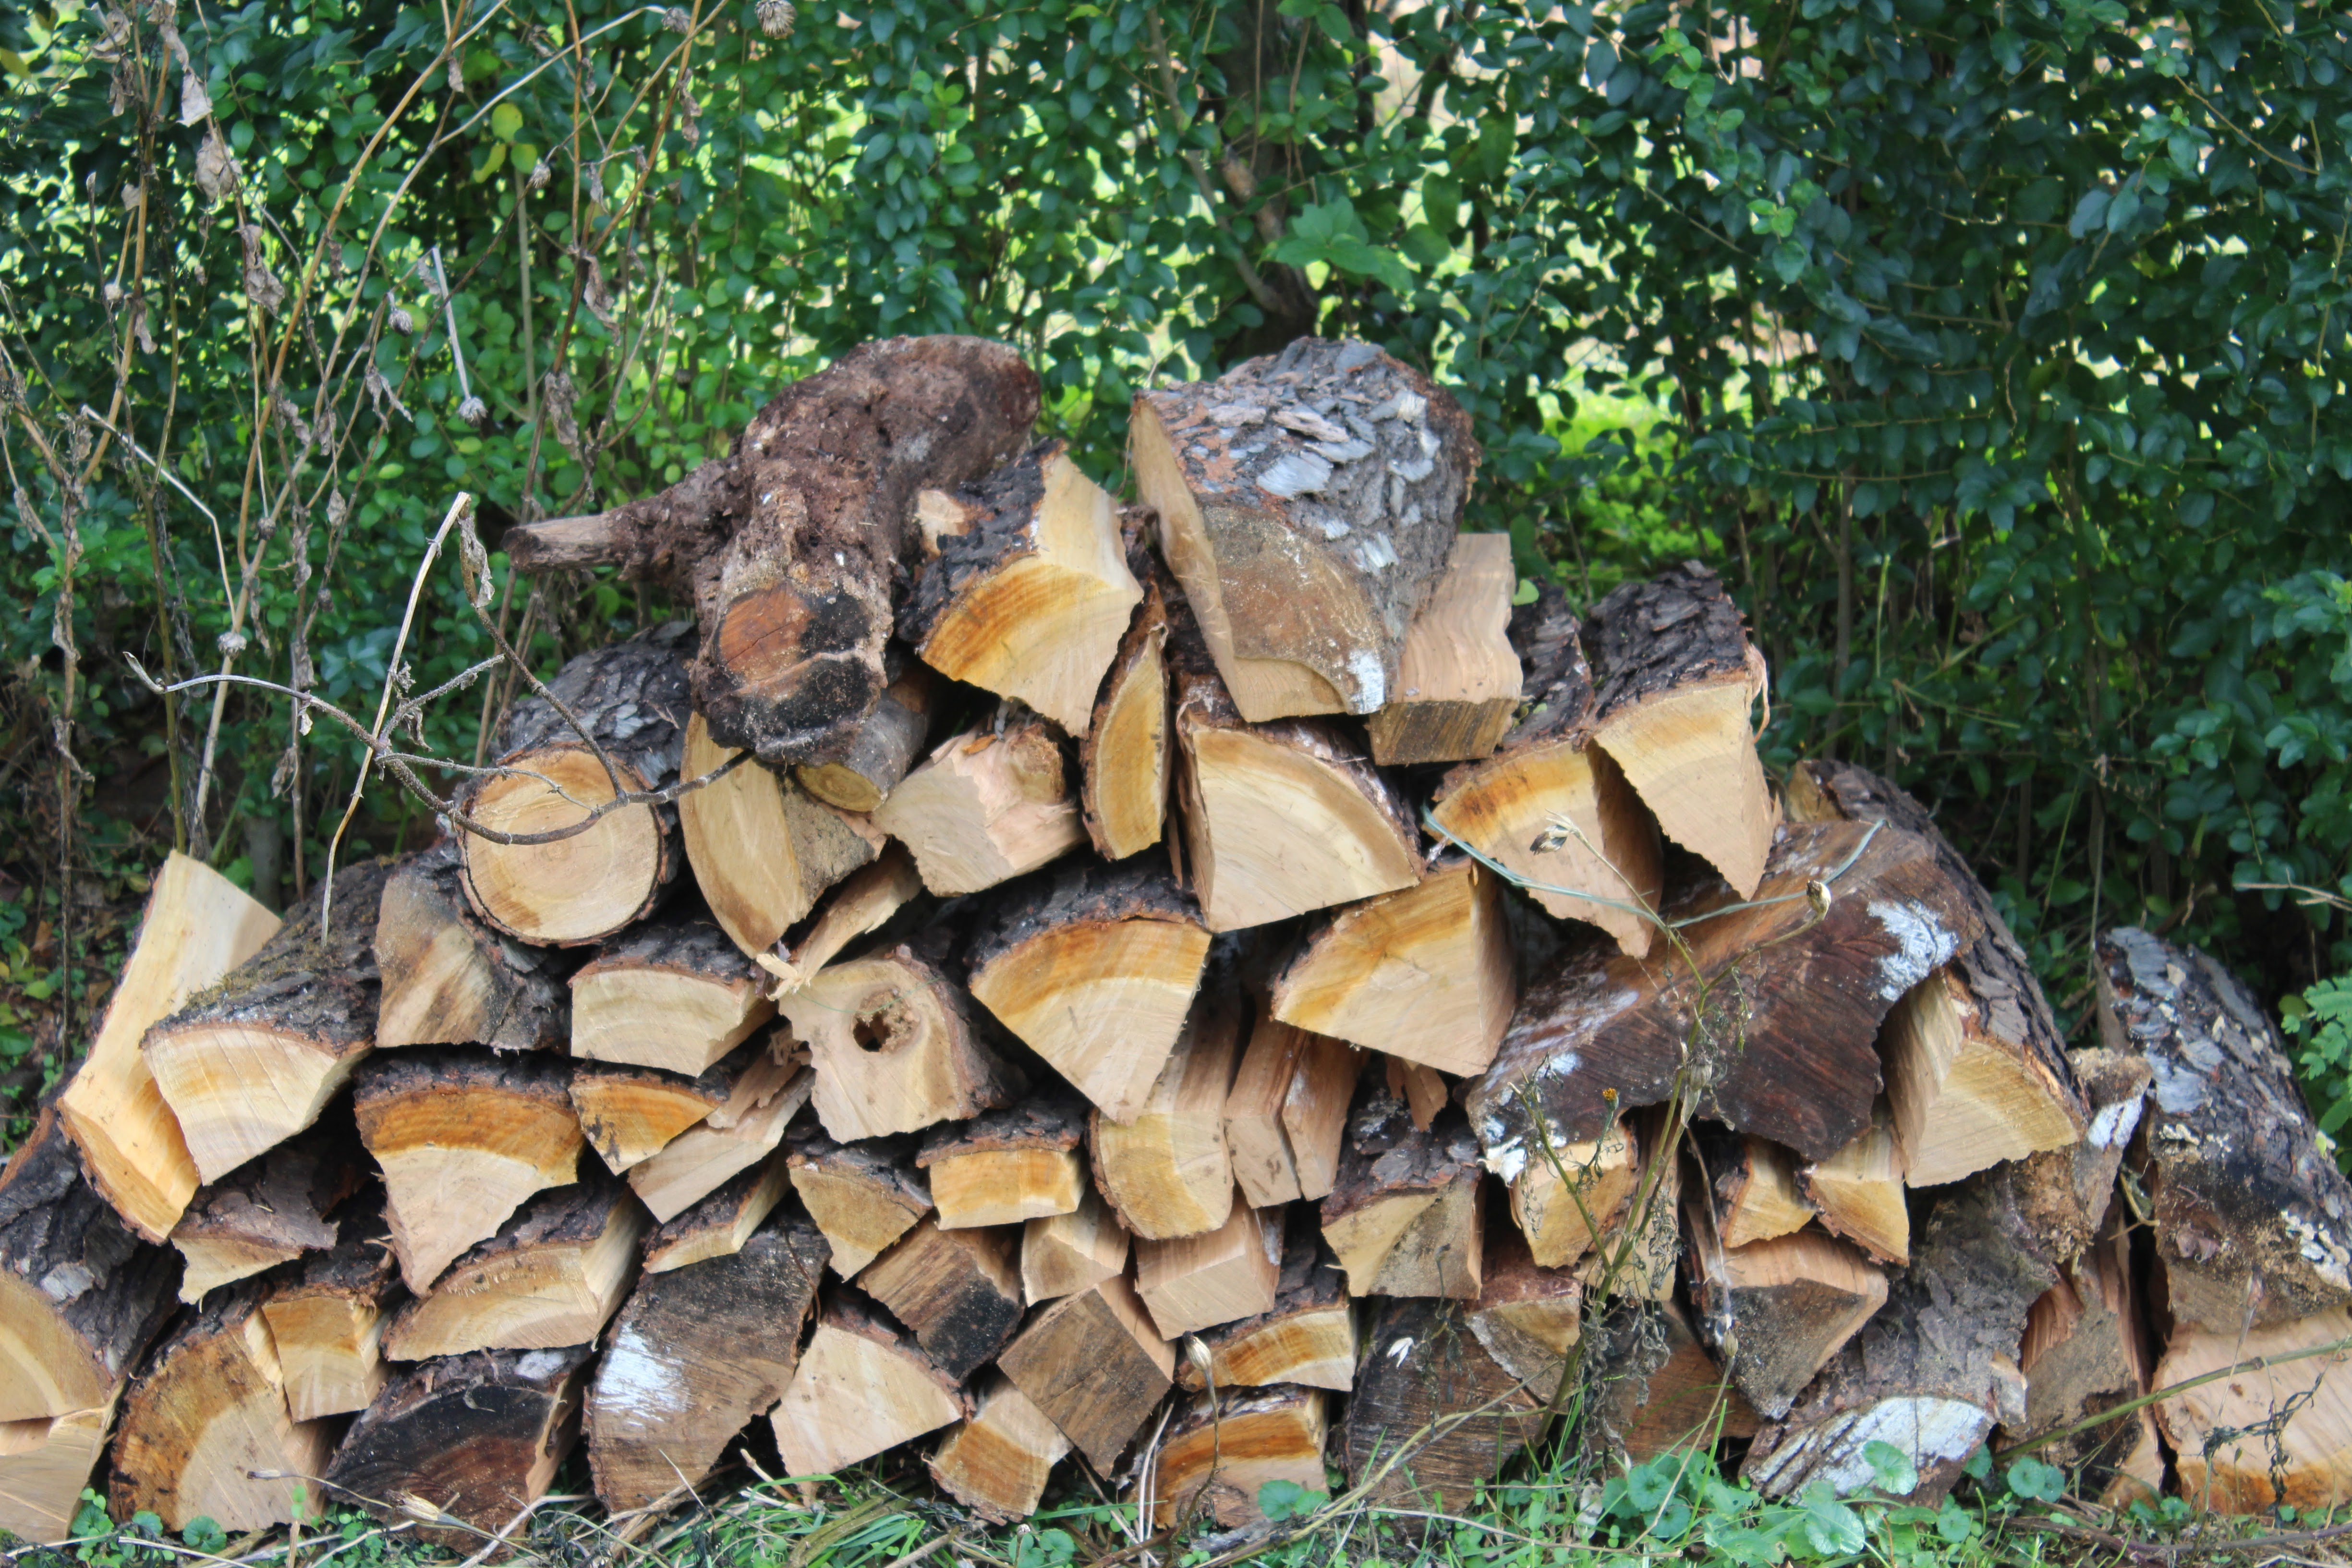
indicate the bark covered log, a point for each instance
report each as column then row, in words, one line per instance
column 269, row 1211
column 449, row 978
column 763, row 849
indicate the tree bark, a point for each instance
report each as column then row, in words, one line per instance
column 450, row 979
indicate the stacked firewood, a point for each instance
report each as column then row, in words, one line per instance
column 1211, row 991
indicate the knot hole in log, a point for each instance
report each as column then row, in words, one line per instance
column 885, row 1028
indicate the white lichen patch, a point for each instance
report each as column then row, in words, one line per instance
column 1922, row 942
column 1926, row 1427
column 2114, row 1124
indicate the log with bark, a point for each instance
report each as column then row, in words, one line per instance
column 863, row 1196
column 624, row 733
column 1656, row 1389
column 1755, row 1186
column 1007, row 1166
column 452, row 979
column 1407, row 1216
column 1166, row 1171
column 269, row 1211
column 763, row 851
column 45, row 1464
column 198, row 925
column 1458, row 680
column 1434, row 1414
column 251, row 1061
column 629, row 1114
column 1778, row 1311
column 1197, row 1283
column 1287, row 1115
column 1307, row 501
column 327, row 1319
column 957, row 1291
column 1528, row 1317
column 1062, row 1255
column 1307, row 1336
column 463, row 1139
column 1567, row 1198
column 986, row 806
column 1094, row 967
column 793, row 545
column 862, row 1388
column 740, row 1134
column 697, row 1354
column 553, row 1276
column 673, row 994
column 897, row 1047
column 884, row 746
column 719, row 1225
column 1125, row 758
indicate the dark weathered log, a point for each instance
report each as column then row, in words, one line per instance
column 1027, row 592
column 1976, row 1069
column 697, row 1354
column 1287, row 1115
column 1550, row 807
column 631, row 699
column 1218, row 1457
column 1308, row 1336
column 897, row 1048
column 1166, row 1169
column 463, row 1138
column 862, row 1388
column 1093, row 1362
column 1125, row 761
column 629, row 1114
column 1433, row 1413
column 1458, row 677
column 1675, row 680
column 1776, row 1006
column 80, row 1295
column 673, row 994
column 721, row 1223
column 1007, row 1166
column 477, row 1437
column 958, row 1290
column 792, row 545
column 205, row 1430
column 2252, row 1219
column 986, row 806
column 1777, row 1310
column 1407, row 1216
column 1934, row 1369
column 1196, row 1282
column 1425, row 973
column 251, row 1062
column 1094, row 967
column 761, row 850
column 1307, row 501
column 449, row 979
column 198, row 925
column 553, row 1276
column 997, row 1462
column 270, row 1210
column 863, row 1196
column 892, row 739
column 327, row 1318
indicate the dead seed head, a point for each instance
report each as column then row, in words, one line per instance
column 473, row 411
column 776, row 17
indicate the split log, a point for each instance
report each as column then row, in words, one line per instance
column 1222, row 1453
column 1458, row 676
column 2281, row 1434
column 720, row 1224
column 861, row 1390
column 2086, row 1350
column 1284, row 817
column 1093, row 1362
column 1669, row 1394
column 1858, row 1190
column 631, row 699
column 1094, row 967
column 673, row 994
column 761, row 850
column 986, row 806
column 1551, row 807
column 1755, row 1185
column 1424, row 1090
column 1124, row 758
column 896, row 1047
column 2067, row 1192
column 1308, row 1336
column 1566, row 1199
column 629, row 1114
column 1778, row 1311
column 958, row 1290
column 1784, row 1042
column 1063, row 1254
column 997, row 1463
column 863, row 1196
column 1412, row 1437
column 1408, row 1215
column 1196, row 1282
column 252, row 1061
column 197, row 927
column 1976, row 1066
column 1528, row 1317
column 328, row 1318
column 463, row 1139
column 551, row 1277
column 790, row 545
column 476, row 1438
column 80, row 1295
column 1307, row 501
column 269, row 1211
column 2252, row 1219
column 696, row 1356
column 1675, row 679
column 1167, row 1172
column 207, row 1415
column 1028, row 593
column 1287, row 1115
column 1425, row 975
column 884, row 746
column 732, row 1140
column 45, row 1463
column 865, row 904
column 1934, row 1370
column 1007, row 1166
column 449, row 979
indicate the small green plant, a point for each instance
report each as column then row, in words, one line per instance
column 2322, row 1018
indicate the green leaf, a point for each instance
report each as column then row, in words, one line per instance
column 506, row 122
column 1280, row 1500
column 1835, row 1530
column 2036, row 1482
column 1895, row 1472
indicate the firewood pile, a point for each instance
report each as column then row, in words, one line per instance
column 1211, row 990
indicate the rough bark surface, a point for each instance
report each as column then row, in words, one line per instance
column 451, row 979
column 1421, row 1364
column 1404, row 1217
column 796, row 546
column 1059, row 1124
column 1648, row 638
column 269, row 1211
column 2254, row 1221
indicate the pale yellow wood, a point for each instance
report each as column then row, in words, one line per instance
column 852, row 1398
column 761, row 849
column 1273, row 831
column 895, row 1048
column 1691, row 756
column 1458, row 676
column 660, row 1018
column 1315, row 1111
column 1167, row 1171
column 45, row 1463
column 2232, row 1454
column 209, row 1074
column 576, row 888
column 206, row 1435
column 1006, row 1187
column 1859, row 1191
column 1102, row 1001
column 983, row 808
column 732, row 1139
column 1963, row 1099
column 1769, row 1204
column 998, row 1462
column 1199, row 1281
column 198, row 926
column 1221, row 1460
column 1565, row 1200
column 331, row 1347
column 1065, row 1254
column 534, row 1297
column 1260, row 1147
